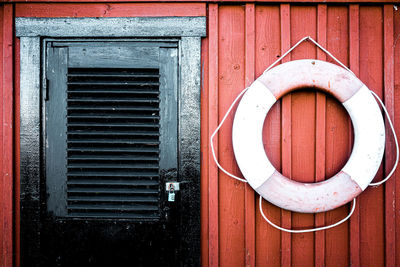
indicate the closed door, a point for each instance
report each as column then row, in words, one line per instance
column 112, row 189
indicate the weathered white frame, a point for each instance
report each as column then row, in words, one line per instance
column 188, row 31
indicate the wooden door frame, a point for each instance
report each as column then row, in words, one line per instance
column 188, row 30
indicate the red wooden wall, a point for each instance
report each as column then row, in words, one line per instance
column 306, row 135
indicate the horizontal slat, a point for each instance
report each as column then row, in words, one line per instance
column 113, row 174
column 125, row 133
column 114, row 166
column 116, row 116
column 150, row 216
column 112, row 124
column 116, row 149
column 113, row 75
column 131, row 207
column 112, row 158
column 118, row 141
column 114, row 108
column 113, row 199
column 113, row 182
column 130, row 91
column 108, row 82
column 114, row 100
column 113, row 191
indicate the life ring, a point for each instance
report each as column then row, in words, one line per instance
column 369, row 136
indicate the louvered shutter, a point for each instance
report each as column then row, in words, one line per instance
column 111, row 133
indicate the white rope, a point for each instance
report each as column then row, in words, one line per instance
column 319, row 46
column 216, row 131
column 307, row 230
column 395, row 141
column 245, row 181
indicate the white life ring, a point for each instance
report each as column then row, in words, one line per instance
column 369, row 136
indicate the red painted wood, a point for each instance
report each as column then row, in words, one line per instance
column 354, row 61
column 396, row 46
column 218, row 1
column 268, row 49
column 109, row 10
column 372, row 243
column 7, row 137
column 286, row 219
column 205, row 145
column 213, row 227
column 303, row 23
column 338, row 146
column 1, row 134
column 388, row 56
column 249, row 192
column 293, row 131
column 231, row 81
column 320, row 121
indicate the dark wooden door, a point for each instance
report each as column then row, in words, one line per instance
column 110, row 143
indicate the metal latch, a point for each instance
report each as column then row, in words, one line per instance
column 171, row 187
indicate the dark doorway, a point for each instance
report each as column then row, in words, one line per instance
column 110, row 147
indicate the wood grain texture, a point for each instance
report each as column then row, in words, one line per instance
column 213, row 231
column 205, row 144
column 361, row 41
column 303, row 23
column 249, row 192
column 2, row 231
column 390, row 152
column 372, row 243
column 320, row 148
column 7, row 144
column 396, row 47
column 286, row 140
column 338, row 128
column 354, row 62
column 180, row 1
column 48, row 10
column 268, row 49
column 111, row 27
column 231, row 44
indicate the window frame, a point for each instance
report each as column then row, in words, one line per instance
column 34, row 31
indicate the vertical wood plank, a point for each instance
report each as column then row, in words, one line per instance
column 286, row 219
column 249, row 78
column 2, row 232
column 320, row 122
column 231, row 82
column 396, row 47
column 303, row 23
column 372, row 214
column 205, row 144
column 354, row 58
column 268, row 49
column 7, row 136
column 337, row 143
column 390, row 204
column 213, row 232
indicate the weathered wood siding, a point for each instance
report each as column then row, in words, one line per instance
column 307, row 135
